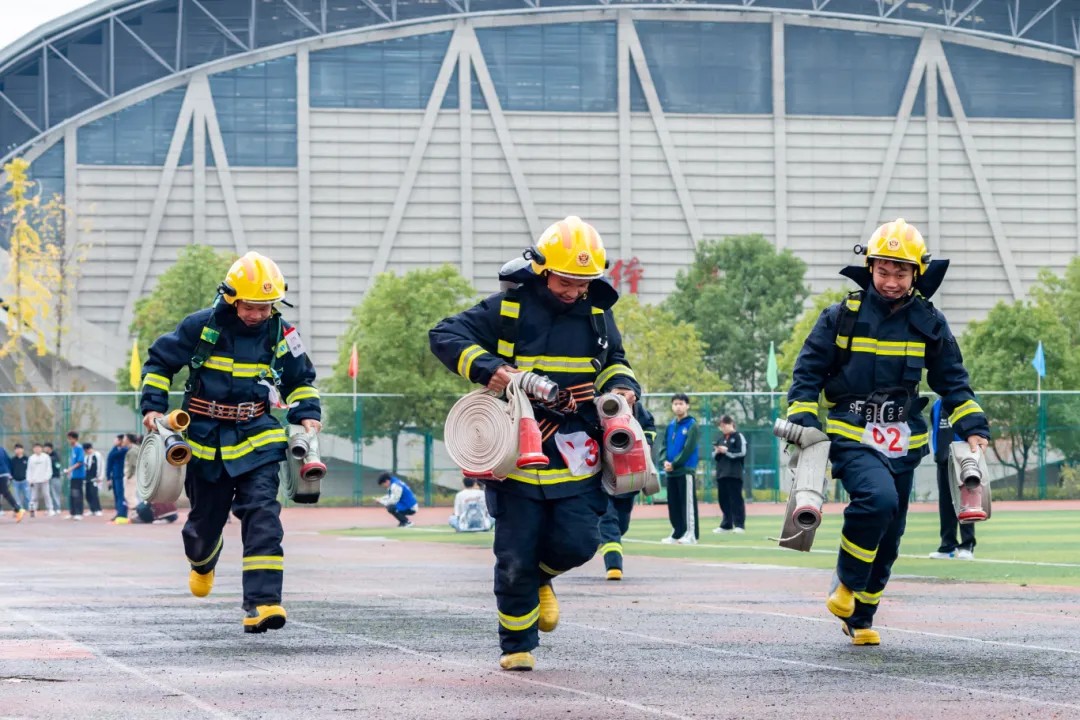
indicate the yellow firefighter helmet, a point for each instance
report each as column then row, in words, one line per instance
column 899, row 242
column 571, row 248
column 254, row 278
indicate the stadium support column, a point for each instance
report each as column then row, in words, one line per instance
column 303, row 184
column 198, row 176
column 779, row 103
column 71, row 186
column 466, row 182
column 933, row 168
column 626, row 239
column 1076, row 120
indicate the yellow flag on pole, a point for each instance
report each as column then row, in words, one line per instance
column 136, row 365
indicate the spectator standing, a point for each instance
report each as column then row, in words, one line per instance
column 941, row 438
column 114, row 474
column 56, row 481
column 5, row 478
column 680, row 454
column 38, row 474
column 729, row 451
column 18, row 473
column 76, row 470
column 95, row 476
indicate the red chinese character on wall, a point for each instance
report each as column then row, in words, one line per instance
column 630, row 272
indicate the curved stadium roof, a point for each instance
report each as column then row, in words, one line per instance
column 112, row 47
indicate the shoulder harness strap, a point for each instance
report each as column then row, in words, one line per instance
column 599, row 325
column 208, row 338
column 509, row 313
column 845, row 326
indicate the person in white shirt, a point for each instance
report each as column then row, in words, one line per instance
column 470, row 510
column 39, row 471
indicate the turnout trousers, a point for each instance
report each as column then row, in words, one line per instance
column 535, row 541
column 252, row 497
column 874, row 522
column 613, row 525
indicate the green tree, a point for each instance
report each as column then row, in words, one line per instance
column 789, row 350
column 390, row 329
column 667, row 354
column 998, row 353
column 741, row 294
column 188, row 285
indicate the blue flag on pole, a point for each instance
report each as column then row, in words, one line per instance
column 1039, row 363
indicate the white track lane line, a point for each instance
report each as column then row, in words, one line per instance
column 787, row 661
column 135, row 672
column 515, row 677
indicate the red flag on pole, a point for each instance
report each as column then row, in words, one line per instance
column 354, row 363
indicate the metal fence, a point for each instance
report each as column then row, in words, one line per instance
column 1037, row 437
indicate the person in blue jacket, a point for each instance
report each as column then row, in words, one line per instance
column 399, row 501
column 616, row 519
column 242, row 360
column 941, row 436
column 867, row 355
column 554, row 318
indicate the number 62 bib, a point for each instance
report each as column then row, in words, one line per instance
column 890, row 439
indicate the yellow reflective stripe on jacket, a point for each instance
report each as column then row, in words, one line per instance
column 918, row 440
column 227, row 365
column 556, row 363
column 963, row 410
column 506, row 349
column 857, row 552
column 266, row 437
column 853, row 304
column 802, row 406
column 510, row 309
column 868, row 598
column 519, row 622
column 611, row 372
column 843, row 429
column 156, row 381
column 548, row 476
column 610, row 547
column 466, row 359
column 304, row 392
column 203, row 452
column 901, row 348
column 211, row 556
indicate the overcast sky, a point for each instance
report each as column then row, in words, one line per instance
column 22, row 17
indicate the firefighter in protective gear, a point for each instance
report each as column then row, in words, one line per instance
column 243, row 359
column 866, row 355
column 554, row 318
column 616, row 519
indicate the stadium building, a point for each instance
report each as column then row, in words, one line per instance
column 349, row 137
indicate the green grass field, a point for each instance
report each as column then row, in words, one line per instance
column 1037, row 548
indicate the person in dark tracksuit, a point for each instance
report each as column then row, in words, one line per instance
column 243, row 359
column 729, row 452
column 940, row 442
column 867, row 354
column 554, row 318
column 114, row 474
column 680, row 455
column 616, row 520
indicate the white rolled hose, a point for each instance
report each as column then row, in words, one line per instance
column 156, row 480
column 481, row 430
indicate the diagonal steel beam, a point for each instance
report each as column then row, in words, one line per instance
column 967, row 11
column 1039, row 16
column 1013, row 8
column 219, row 25
column 377, row 10
column 142, row 43
column 897, row 4
column 301, row 17
column 79, row 73
column 22, row 116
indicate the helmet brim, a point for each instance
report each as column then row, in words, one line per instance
column 570, row 276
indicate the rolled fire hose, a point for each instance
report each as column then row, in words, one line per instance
column 303, row 470
column 627, row 462
column 808, row 456
column 163, row 457
column 489, row 437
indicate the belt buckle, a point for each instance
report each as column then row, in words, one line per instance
column 245, row 411
column 213, row 409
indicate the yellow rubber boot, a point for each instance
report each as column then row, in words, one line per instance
column 517, row 661
column 841, row 602
column 549, row 609
column 862, row 636
column 614, row 574
column 201, row 585
column 263, row 618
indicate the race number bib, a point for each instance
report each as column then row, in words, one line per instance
column 890, row 439
column 293, row 341
column 580, row 452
